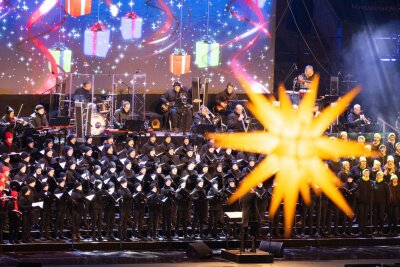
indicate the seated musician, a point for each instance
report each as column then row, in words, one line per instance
column 38, row 118
column 203, row 116
column 236, row 120
column 356, row 120
column 11, row 123
column 84, row 93
column 122, row 114
column 305, row 79
column 222, row 98
column 175, row 105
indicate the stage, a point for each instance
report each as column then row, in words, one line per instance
column 307, row 256
column 89, row 245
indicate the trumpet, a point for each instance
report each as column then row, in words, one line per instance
column 365, row 119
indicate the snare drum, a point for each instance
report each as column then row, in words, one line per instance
column 98, row 123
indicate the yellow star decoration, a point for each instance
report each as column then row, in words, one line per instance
column 295, row 149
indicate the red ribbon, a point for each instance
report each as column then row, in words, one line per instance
column 131, row 15
column 98, row 26
column 35, row 18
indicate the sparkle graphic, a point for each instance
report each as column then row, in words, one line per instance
column 294, row 149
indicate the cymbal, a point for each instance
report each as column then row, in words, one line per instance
column 197, row 100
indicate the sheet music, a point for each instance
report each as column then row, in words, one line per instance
column 90, row 197
column 38, row 204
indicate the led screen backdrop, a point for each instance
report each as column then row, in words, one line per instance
column 226, row 41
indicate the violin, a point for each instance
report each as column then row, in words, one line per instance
column 14, row 120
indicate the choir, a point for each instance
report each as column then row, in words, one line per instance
column 123, row 190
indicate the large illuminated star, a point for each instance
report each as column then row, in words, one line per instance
column 295, row 149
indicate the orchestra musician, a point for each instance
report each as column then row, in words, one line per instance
column 122, row 114
column 236, row 120
column 175, row 106
column 84, row 93
column 304, row 80
column 11, row 123
column 203, row 116
column 356, row 120
column 222, row 99
column 38, row 118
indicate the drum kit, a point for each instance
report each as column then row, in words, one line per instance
column 100, row 116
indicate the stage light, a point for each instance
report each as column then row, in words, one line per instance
column 295, row 150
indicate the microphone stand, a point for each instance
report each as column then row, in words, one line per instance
column 292, row 69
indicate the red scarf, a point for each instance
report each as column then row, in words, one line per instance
column 9, row 144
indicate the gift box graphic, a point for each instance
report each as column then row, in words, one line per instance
column 78, row 8
column 260, row 3
column 207, row 54
column 179, row 62
column 97, row 40
column 131, row 26
column 62, row 56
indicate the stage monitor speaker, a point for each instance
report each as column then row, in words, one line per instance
column 275, row 248
column 198, row 250
column 154, row 120
column 196, row 94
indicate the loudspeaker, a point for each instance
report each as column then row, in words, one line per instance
column 155, row 124
column 79, row 122
column 154, row 120
column 334, row 85
column 198, row 250
column 275, row 248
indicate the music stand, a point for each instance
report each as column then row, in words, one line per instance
column 134, row 125
column 59, row 121
column 204, row 128
column 232, row 216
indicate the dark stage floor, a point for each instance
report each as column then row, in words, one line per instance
column 311, row 256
